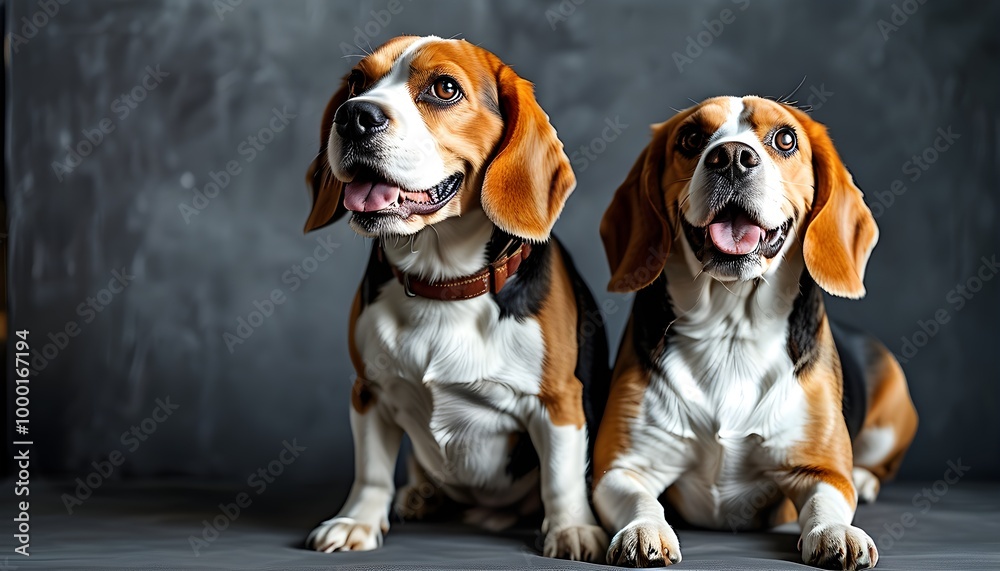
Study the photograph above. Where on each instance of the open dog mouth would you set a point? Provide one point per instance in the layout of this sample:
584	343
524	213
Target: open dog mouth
735	233
371	194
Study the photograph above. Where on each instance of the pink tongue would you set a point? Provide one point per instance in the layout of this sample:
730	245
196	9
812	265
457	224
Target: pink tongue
369	197
737	236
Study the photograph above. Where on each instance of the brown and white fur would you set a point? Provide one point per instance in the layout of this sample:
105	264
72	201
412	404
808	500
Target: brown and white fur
469	161
728	390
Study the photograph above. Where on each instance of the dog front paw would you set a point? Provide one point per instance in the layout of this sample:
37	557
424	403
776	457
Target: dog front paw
576	543
645	543
838	546
345	534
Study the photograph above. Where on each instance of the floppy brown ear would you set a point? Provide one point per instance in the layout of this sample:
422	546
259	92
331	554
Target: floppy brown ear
327	207
841	230
634	228
526	185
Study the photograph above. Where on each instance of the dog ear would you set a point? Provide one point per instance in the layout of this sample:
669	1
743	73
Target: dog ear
634	228
530	178
327	206
841	231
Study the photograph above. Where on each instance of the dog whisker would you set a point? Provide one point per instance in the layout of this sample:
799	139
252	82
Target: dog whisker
785	99
436	234
723	284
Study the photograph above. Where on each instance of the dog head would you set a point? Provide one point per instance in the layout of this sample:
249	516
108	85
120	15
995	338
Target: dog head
425	129
736	181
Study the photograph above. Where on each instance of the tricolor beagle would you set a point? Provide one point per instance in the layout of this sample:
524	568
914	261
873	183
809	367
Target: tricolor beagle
732	391
471	332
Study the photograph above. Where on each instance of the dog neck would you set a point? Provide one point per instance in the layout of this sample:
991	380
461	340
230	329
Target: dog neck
707	308
452	248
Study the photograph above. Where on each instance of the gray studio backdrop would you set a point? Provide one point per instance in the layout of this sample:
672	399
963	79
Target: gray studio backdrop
156	154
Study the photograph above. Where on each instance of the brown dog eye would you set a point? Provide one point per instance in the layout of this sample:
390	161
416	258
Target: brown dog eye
784	140
692	141
446	89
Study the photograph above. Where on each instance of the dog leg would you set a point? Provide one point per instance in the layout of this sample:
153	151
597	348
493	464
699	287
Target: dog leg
570	529
825	500
627	502
363	520
889	427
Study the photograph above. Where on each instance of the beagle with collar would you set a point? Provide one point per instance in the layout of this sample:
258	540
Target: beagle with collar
732	391
471	331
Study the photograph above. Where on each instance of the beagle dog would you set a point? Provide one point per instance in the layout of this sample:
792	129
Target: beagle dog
471	331
732	390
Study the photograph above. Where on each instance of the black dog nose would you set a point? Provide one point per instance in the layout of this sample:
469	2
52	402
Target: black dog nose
732	159
359	120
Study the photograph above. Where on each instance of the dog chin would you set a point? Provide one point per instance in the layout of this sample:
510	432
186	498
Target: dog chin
734	245
377	225
726	268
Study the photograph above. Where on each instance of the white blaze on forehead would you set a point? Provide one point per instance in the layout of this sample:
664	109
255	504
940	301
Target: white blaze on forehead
408	151
734	126
767	194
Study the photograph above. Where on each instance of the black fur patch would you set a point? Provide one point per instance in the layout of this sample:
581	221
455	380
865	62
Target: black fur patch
524	292
803	324
853	346
652	316
376	274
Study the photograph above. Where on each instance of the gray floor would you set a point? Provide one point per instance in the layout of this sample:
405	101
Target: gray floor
148	527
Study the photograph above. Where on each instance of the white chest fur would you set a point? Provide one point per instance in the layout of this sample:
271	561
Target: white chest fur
726	403
453	374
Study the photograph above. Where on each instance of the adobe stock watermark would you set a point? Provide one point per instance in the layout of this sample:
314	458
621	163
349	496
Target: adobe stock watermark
293	277
366	34
87	310
31	25
122	108
914	168
225	7
588	153
763	494
696	44
898	17
248	149
131	440
258	481
818	96
561	12
923	500
956	300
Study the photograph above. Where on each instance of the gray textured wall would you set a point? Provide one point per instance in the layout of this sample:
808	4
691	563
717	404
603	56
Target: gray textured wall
223	77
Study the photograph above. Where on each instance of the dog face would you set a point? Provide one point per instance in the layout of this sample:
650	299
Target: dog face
425	129
735	181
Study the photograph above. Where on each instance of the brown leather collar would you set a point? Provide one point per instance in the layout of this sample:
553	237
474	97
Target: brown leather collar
490	279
